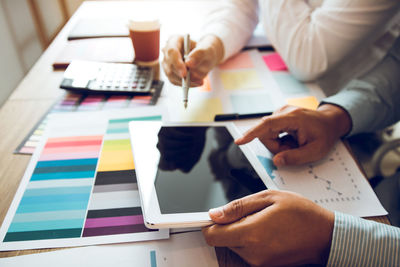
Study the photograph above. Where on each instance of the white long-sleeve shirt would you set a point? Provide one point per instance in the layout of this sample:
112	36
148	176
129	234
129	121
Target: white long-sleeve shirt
330	41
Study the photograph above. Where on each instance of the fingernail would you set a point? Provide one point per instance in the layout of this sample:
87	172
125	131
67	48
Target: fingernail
238	140
217	212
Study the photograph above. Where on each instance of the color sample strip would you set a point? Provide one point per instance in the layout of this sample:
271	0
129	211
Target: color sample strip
308	102
206	87
55	201
153	258
115	102
288	84
274	62
91	102
80	147
72	102
195	111
239	61
240	80
254	103
140	101
115	203
69	103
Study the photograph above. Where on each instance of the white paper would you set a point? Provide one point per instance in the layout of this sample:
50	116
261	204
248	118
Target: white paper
335	182
188	249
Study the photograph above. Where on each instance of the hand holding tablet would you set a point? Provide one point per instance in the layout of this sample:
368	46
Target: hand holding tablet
183	170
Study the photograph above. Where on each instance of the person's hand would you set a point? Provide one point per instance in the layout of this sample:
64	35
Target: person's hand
273	228
204	56
298	136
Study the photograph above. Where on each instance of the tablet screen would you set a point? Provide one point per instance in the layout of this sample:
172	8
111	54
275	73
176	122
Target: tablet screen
200	168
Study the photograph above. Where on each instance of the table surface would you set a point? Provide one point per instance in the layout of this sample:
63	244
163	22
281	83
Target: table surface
39	90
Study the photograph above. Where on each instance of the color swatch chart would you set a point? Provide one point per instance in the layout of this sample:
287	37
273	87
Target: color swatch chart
238	85
71	102
249	82
80	187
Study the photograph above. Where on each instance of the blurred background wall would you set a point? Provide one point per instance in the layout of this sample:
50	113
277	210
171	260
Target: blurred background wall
27	27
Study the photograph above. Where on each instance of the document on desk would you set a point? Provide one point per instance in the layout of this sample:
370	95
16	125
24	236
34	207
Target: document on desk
186	249
80	186
335	182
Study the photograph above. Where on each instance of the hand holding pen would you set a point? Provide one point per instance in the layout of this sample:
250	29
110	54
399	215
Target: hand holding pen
202	57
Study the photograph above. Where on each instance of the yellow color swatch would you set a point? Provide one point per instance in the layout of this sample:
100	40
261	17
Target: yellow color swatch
309	102
112	160
240	80
198	110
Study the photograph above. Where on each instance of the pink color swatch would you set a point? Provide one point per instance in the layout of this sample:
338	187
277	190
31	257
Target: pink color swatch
274	62
114	221
240	61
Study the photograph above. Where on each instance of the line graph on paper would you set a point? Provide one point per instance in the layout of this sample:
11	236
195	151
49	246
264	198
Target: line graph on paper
334	182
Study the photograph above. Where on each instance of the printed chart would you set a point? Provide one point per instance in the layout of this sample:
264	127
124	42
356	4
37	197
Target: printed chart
80	186
335	182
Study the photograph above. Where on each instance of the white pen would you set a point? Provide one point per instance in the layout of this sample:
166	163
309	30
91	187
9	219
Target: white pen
186	80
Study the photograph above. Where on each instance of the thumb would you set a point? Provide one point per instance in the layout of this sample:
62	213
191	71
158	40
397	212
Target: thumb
242	207
305	154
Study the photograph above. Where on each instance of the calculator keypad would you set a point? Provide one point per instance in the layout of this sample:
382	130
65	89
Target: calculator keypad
112	78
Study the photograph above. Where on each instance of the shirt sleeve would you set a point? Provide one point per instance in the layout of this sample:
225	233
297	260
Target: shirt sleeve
359	242
233	21
314	40
373	101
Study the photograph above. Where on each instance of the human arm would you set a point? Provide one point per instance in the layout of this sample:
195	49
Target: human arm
359	242
226	29
233	21
373	101
367	104
312	41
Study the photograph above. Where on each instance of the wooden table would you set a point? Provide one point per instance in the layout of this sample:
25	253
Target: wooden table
39	90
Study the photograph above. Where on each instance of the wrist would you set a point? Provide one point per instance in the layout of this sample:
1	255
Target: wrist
338	119
215	46
327	240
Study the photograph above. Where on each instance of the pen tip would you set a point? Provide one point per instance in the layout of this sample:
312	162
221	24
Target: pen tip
185	105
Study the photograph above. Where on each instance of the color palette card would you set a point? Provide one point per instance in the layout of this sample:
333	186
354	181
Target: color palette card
71	102
80	186
242	84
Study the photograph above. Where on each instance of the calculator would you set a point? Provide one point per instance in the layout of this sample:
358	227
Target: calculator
107	78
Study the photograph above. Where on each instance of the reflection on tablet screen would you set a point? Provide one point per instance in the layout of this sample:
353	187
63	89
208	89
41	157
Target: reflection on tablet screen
201	168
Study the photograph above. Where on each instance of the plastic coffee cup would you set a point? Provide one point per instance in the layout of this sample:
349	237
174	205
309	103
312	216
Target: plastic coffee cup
145	36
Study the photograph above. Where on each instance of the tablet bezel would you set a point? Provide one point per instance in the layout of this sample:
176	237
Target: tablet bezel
146	166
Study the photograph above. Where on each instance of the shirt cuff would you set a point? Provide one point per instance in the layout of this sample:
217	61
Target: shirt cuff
353	100
359	242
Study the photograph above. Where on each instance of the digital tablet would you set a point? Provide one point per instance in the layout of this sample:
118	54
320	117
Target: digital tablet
183	170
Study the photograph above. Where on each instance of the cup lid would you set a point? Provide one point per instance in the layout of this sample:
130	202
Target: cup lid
144	24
